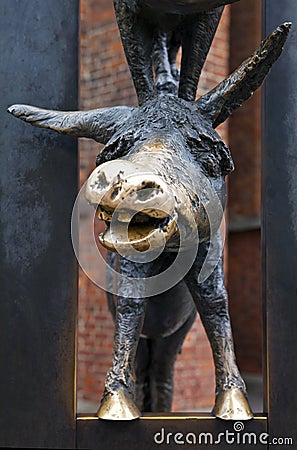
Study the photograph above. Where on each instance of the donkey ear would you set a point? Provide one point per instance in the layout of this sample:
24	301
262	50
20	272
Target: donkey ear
227	96
97	124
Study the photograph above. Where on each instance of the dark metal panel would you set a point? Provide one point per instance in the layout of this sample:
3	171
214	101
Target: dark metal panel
280	227
172	431
38	182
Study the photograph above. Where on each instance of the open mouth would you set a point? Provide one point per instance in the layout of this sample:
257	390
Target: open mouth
140	230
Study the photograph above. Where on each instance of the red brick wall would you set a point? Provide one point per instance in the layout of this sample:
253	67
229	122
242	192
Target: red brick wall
105	81
244	243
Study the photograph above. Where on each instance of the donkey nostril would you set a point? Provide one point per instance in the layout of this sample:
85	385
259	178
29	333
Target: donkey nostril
145	194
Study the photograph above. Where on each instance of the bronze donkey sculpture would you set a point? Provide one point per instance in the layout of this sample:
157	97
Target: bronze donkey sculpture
160	183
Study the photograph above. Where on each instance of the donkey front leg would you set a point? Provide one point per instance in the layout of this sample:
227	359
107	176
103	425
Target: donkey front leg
212	304
118	399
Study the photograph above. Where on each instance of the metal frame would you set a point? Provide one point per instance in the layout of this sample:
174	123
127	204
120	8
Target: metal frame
38	307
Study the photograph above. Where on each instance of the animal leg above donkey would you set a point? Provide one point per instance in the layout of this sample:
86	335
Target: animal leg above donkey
147	41
137	38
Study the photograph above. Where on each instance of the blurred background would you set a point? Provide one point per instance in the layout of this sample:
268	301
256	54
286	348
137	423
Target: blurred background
105	81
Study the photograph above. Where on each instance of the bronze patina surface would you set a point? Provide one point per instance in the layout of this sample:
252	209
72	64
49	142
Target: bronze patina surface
145	171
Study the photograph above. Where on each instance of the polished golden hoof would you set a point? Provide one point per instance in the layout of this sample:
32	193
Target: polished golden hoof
232	405
117	406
